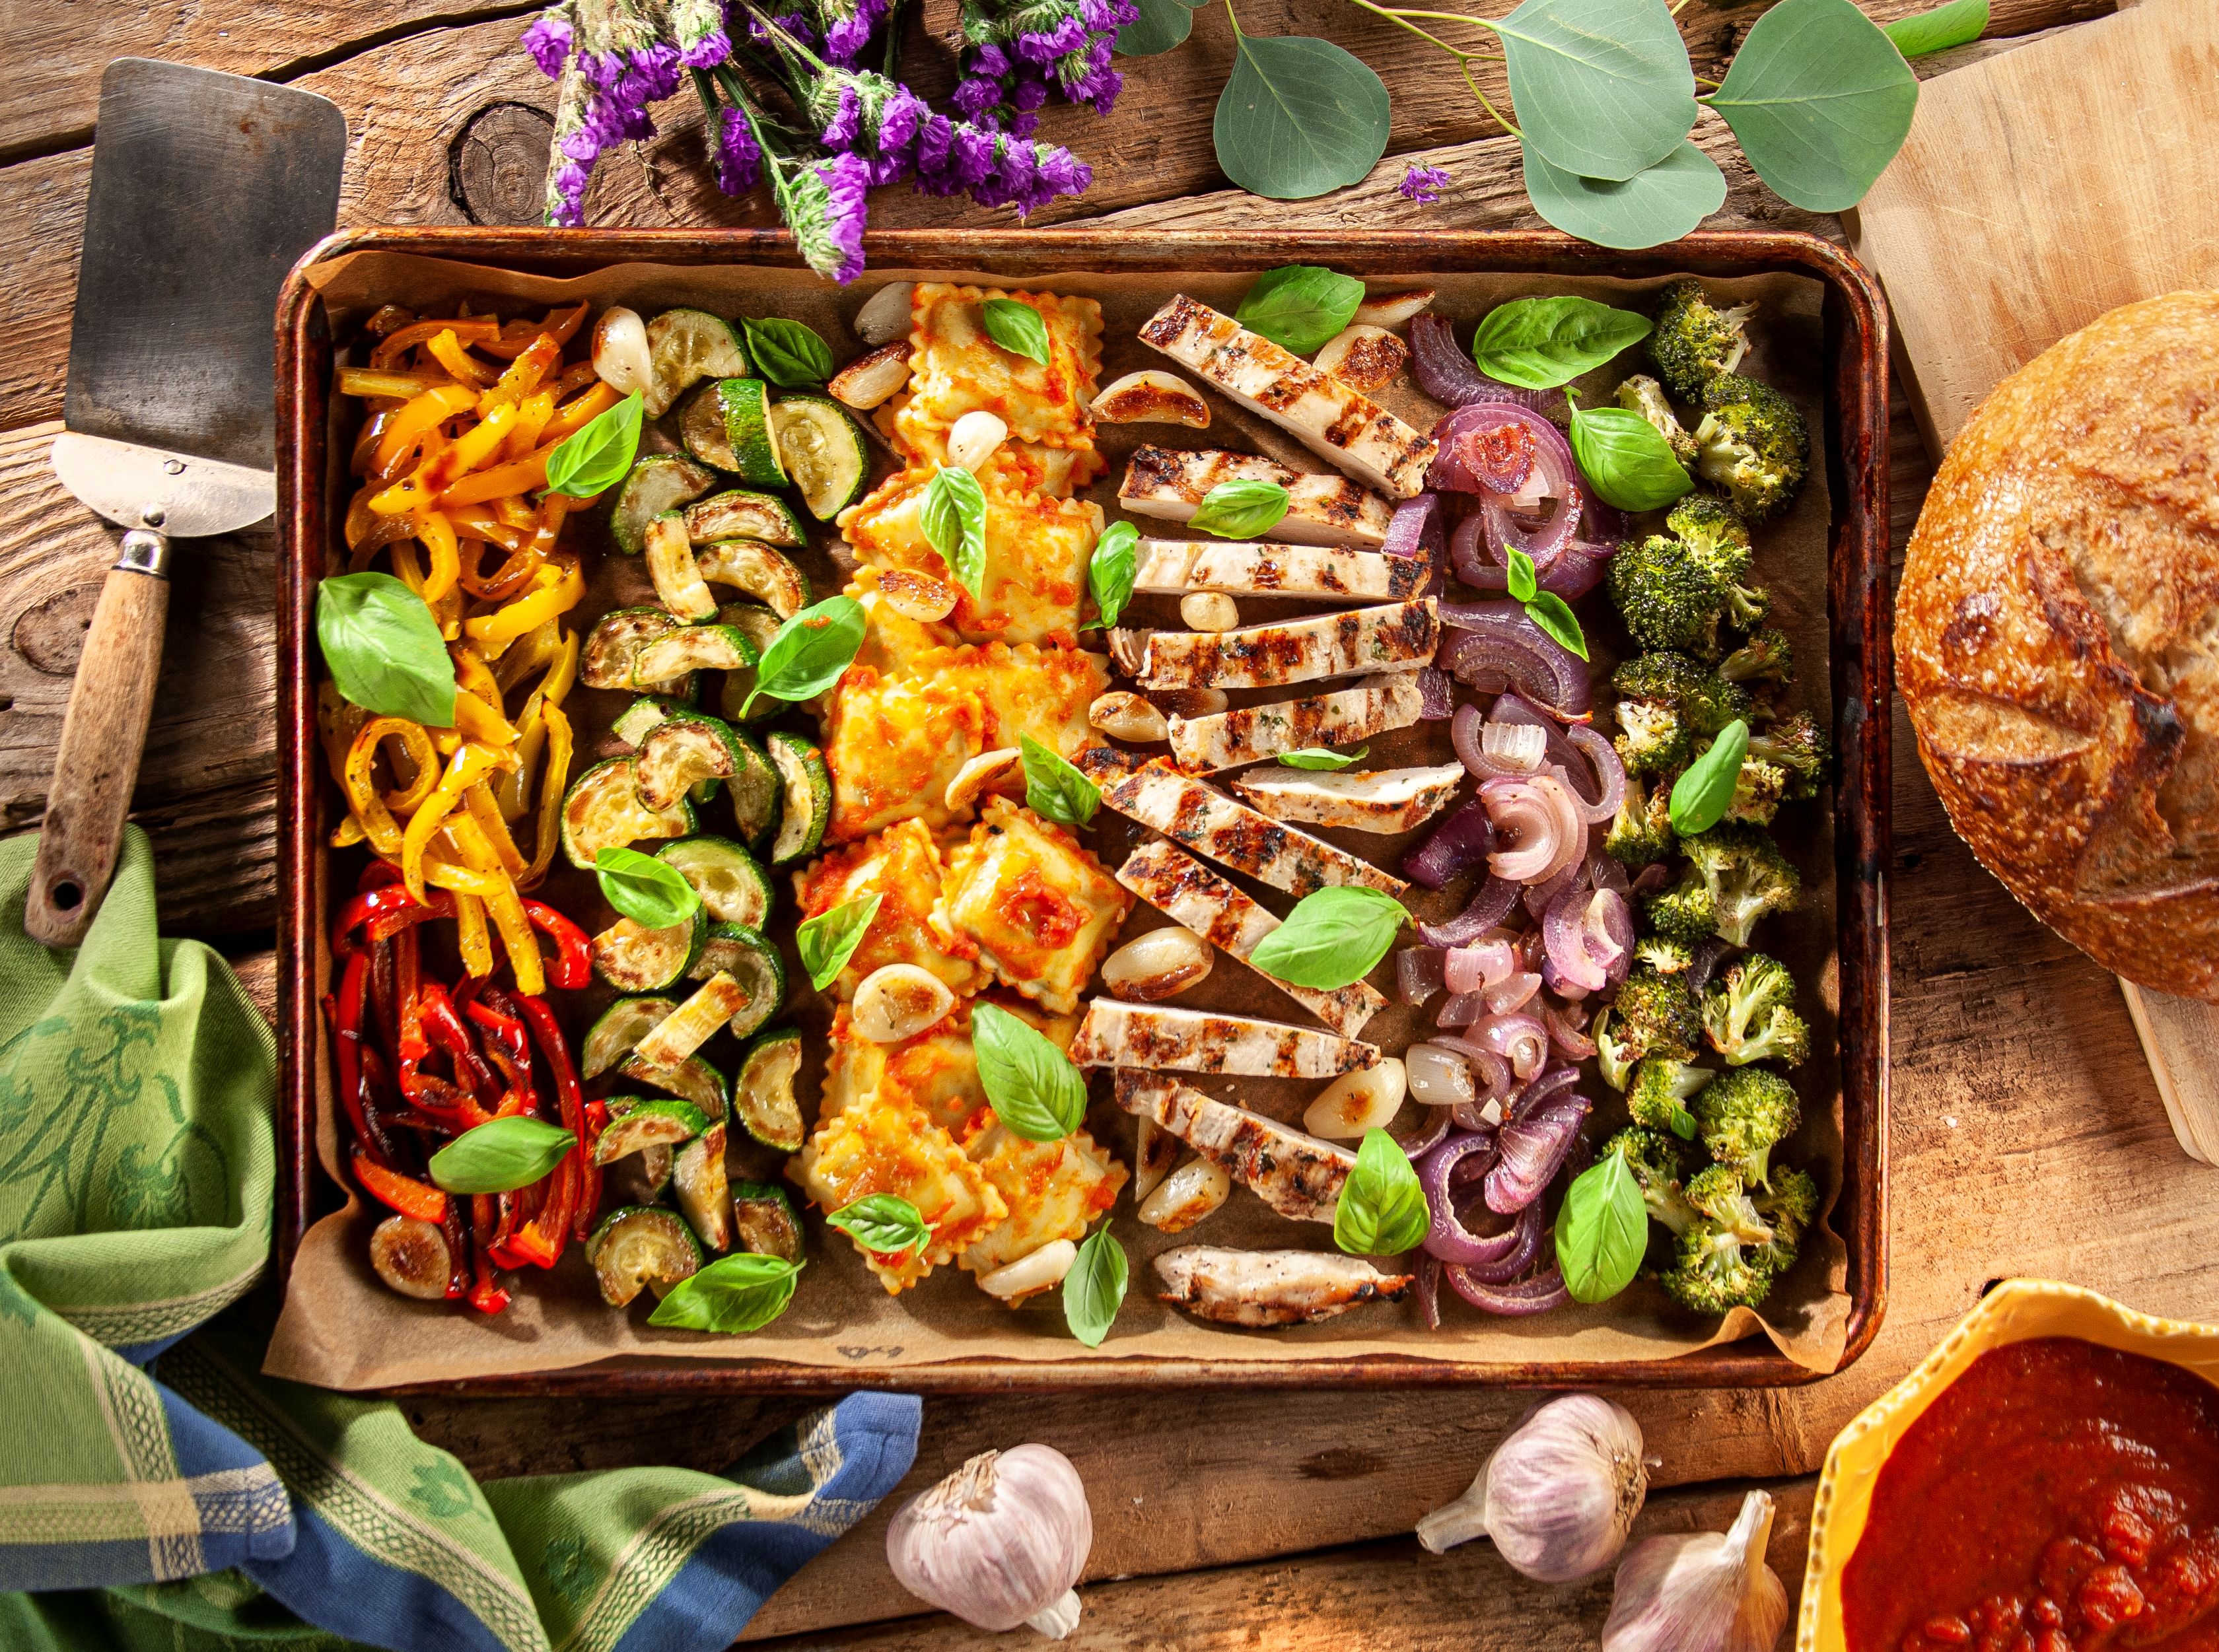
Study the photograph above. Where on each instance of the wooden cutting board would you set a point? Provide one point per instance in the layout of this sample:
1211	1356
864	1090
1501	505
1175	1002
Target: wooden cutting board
2036	191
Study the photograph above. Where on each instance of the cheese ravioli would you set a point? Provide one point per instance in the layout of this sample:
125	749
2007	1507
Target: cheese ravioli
1022	466
1053	1190
1040	908
901	866
956	368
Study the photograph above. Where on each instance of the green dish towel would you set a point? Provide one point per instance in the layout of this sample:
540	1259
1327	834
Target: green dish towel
160	1493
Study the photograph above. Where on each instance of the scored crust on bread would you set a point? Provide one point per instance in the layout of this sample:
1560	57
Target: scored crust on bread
2057	639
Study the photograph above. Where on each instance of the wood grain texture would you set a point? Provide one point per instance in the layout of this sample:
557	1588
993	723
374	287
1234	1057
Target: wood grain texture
2181	1039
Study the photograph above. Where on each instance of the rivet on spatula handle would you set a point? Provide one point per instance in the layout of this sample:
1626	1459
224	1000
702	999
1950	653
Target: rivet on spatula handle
102	734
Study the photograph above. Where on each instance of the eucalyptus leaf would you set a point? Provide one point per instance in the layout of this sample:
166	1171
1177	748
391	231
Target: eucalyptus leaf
1540	343
1648	209
1820	100
1705	789
1602	88
1299	117
1602	1231
1959	22
1161	25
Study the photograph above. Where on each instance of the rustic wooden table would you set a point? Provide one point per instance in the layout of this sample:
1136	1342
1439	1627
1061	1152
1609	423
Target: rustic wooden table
2028	1139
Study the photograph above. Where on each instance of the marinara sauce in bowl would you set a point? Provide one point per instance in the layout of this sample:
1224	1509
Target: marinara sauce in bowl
2047	1482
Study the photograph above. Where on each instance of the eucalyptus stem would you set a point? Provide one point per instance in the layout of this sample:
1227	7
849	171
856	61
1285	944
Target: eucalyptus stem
1400	18
1235	22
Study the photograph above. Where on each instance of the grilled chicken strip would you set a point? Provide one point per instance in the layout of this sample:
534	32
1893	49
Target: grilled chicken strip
1172	568
1209	822
1249	734
1172	484
1266	1288
1377	800
1341	425
1188	892
1168	1038
1298	1175
1400	637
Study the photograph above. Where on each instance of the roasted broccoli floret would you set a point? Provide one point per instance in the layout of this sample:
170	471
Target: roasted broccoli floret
1644	396
1658	1093
1751	442
1671	598
1656	1015
1703	700
1694	340
1654	738
1712	1271
1742	1115
1663	955
1758	791
1712	531
1749	1014
1797	746
1716	1193
1615	1057
1687	911
1745	876
1654	1159
1791	1205
1766	657
1642	830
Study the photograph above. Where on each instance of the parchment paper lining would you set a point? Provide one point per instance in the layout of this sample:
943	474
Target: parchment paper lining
341	1328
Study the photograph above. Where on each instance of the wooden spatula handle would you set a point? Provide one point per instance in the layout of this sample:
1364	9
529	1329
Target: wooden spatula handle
102	734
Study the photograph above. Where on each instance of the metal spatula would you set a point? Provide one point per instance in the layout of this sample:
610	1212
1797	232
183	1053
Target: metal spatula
206	187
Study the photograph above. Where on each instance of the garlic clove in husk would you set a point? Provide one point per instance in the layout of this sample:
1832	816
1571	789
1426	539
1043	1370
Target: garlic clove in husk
1559	1494
1701	1592
1000	1541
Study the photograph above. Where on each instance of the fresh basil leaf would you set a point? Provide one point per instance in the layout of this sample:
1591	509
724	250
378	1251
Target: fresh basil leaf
1625	458
1054	789
1383	1210
884	1223
384	649
1110	572
1160	25
1602	1231
1603	87
1319	757
1705	789
1300	307
1523	581
790	354
1683	1122
953	518
1018	327
1820	100
809	652
1555	616
652	893
1332	939
501	1155
733	1295
1240	509
599	454
1960	22
1031	1083
1094	1289
1653	206
1299	117
1540	343
827	940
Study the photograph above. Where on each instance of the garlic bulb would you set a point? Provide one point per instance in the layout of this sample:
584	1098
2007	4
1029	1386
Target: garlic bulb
1701	1592
1000	1541
1558	1496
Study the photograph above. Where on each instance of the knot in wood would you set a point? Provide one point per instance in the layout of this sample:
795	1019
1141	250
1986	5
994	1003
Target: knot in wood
497	164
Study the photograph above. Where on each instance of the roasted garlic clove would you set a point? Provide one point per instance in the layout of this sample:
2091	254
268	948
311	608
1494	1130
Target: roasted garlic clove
621	357
974	438
1160	963
1186	1195
1031	1274
1362	357
1123	715
884	316
1189	702
1002	771
1152	396
1356	1101
869	380
1393	309
918	596
900	1001
1208	611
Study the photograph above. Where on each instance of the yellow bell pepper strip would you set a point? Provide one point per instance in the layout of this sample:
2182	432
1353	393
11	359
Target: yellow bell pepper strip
337	721
579	410
447	350
438	536
563	671
464	770
373	382
516	510
486	811
477	522
472	938
412	423
533	414
554	510
480	722
513	573
347	834
552	779
453	876
448	610
526	475
518	941
556	588
513	789
391	348
423	486
409	567
472	672
528	654
532	363
359	781
365	441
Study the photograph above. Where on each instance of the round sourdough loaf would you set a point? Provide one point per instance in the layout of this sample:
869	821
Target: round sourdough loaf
2057	631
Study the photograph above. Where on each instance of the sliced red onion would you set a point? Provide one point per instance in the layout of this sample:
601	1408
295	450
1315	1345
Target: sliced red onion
1494	645
1406	528
1611	524
1525	1230
1545	1083
1544	1290
1446	374
1448	1238
1566	1036
1418	973
1460	841
1467	969
1609	771
1564	932
1542	536
1540	818
1513	993
1604	871
1475	562
1533	1150
1490	447
1461	1010
1707	953
1540	897
1489	906
1493	1082
1520	1040
1436	694
1651	878
1429	1291
1496	751
1435	1131
1576	569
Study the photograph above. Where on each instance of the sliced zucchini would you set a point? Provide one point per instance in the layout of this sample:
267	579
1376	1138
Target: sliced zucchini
748	433
602	811
638	1247
659	483
613	648
635	959
763	1218
760	624
730	882
719	998
755	569
701	428
637	1121
678	583
632	723
758	795
692	647
617	1032
808	798
704	1194
741	513
680	751
683	348
639	1178
693	1078
763	1094
750	958
822	448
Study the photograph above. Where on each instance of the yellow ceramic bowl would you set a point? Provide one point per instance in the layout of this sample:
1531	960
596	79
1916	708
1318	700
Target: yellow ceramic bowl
2017	1310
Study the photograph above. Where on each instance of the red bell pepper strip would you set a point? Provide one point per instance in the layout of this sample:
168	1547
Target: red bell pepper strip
547	1033
485	1293
446	1030
572	964
403	1193
540	1240
458	1250
377	875
406	913
366	908
345	1013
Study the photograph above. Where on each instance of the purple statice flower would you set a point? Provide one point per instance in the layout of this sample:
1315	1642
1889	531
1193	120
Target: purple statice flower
824	206
847	122
847	26
550	40
1086	77
698	29
1424	184
736	157
1067	33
